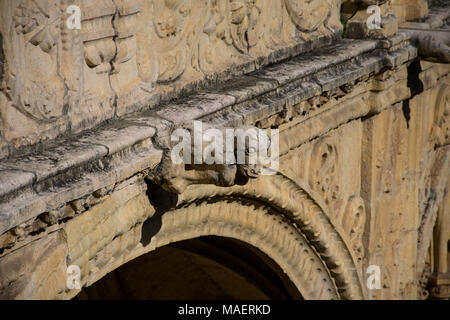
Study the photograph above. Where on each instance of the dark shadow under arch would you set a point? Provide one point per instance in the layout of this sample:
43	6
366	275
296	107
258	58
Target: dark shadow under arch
206	268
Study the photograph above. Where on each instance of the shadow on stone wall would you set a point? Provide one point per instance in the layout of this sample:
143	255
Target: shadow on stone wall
162	201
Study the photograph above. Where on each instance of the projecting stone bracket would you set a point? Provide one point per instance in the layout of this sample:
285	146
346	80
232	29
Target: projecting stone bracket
431	36
209	155
433	45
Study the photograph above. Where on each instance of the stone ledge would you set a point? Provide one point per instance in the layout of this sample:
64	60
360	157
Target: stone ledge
298	82
75	167
69	154
289	79
38	183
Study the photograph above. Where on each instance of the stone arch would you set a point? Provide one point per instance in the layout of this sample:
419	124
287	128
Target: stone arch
256	225
210	267
306	211
270	213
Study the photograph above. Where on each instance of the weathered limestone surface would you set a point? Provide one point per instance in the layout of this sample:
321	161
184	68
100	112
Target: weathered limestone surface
408	10
357	23
43	275
128	55
363	141
431	34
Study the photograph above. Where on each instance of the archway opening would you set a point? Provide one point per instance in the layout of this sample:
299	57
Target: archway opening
206	268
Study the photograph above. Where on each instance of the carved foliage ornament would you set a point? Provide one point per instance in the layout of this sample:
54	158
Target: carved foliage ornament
232	29
33	84
188	38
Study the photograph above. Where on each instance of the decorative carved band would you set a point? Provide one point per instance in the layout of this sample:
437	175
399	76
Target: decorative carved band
286	197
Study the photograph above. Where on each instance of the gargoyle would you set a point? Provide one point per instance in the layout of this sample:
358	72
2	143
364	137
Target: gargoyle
203	155
433	45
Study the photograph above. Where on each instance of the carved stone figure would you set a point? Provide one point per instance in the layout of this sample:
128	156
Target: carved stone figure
219	166
245	15
433	45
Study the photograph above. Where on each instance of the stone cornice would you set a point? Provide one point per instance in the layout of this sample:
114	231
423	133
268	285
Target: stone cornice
71	168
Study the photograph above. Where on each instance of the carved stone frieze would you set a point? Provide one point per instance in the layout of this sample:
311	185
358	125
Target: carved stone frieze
129	54
32	80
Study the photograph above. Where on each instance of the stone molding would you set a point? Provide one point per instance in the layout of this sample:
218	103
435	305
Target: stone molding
29	176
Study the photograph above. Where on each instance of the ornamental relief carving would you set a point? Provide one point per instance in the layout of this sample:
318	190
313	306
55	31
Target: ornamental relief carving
233	32
172	23
246	27
127	52
31	79
440	134
324	178
321	167
33	21
308	16
353	222
215	38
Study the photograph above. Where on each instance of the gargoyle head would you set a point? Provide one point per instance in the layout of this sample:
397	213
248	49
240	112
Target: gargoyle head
251	150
